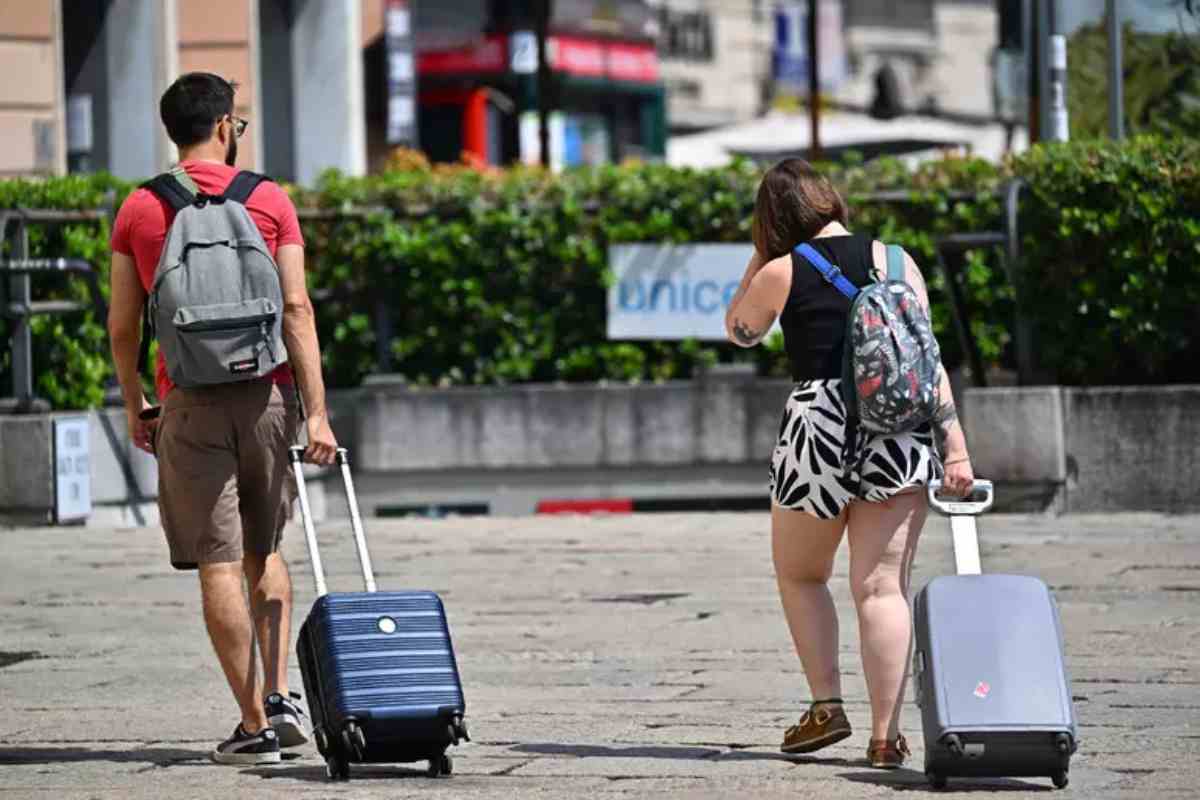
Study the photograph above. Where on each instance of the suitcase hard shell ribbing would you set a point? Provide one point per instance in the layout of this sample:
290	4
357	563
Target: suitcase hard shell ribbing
988	668
379	668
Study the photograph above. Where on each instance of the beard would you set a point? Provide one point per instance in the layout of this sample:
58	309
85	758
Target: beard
231	152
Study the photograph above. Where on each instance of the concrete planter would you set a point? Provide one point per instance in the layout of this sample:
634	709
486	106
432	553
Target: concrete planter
505	449
724	418
124	480
1122	448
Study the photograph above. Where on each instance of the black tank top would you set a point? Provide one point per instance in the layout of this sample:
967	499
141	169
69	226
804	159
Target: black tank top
814	318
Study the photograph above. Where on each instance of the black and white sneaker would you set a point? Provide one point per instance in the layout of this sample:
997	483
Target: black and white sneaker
248	748
287	718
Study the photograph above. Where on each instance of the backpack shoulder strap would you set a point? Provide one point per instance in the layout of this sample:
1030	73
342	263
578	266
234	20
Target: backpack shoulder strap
828	271
243	185
176	188
895	263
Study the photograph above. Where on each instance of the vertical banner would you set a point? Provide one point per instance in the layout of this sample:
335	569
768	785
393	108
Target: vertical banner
790	55
401	74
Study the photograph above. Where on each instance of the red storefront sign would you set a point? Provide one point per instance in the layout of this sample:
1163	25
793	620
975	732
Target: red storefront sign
572	55
484	56
576	56
595	58
633	62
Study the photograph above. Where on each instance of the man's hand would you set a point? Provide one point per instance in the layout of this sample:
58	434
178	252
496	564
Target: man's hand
141	431
322	447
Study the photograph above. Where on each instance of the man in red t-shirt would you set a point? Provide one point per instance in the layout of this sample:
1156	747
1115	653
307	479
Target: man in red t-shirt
225	490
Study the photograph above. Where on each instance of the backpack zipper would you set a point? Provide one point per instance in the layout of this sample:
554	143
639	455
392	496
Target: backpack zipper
257	321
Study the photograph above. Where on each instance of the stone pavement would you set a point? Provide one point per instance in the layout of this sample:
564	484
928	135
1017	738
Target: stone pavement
602	657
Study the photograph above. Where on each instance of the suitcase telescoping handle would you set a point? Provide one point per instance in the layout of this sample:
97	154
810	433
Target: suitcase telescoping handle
296	457
962	513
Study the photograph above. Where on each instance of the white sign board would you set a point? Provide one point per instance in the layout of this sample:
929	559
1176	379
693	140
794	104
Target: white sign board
73	475
523	55
673	291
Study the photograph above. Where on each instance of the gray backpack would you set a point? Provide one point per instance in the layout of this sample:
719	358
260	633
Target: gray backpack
216	305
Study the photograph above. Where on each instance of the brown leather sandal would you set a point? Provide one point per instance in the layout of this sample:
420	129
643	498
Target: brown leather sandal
823	724
886	754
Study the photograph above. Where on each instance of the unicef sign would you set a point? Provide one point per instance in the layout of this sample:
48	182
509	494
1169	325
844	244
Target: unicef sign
673	291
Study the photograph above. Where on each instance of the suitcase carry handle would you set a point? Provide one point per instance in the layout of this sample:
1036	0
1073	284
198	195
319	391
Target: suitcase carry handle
967	505
962	513
296	457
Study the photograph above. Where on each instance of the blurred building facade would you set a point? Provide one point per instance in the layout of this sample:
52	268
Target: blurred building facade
721	65
317	77
313	79
478	85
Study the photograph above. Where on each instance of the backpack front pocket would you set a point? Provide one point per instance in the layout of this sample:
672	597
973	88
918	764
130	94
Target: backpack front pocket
226	342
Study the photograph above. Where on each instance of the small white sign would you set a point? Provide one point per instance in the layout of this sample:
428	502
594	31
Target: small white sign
397	21
522	49
400	67
79	123
673	292
72	467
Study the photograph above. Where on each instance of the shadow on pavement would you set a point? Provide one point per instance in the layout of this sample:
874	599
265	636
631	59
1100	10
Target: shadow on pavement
909	780
358	772
647	751
158	756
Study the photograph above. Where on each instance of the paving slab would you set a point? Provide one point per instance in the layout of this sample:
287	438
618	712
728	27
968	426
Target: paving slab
611	656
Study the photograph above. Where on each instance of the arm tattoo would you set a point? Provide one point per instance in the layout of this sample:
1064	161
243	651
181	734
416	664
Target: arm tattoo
943	419
946	414
744	333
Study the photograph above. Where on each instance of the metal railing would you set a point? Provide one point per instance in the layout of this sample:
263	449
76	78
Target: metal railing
951	252
16	296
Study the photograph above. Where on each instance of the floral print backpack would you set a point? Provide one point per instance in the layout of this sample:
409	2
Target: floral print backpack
892	364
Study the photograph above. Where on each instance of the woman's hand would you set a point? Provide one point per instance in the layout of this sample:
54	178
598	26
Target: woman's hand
959	478
759	300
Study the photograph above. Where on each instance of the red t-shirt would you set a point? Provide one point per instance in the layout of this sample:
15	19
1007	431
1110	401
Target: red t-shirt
141	229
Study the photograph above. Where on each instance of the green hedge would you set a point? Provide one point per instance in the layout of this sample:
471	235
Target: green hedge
501	276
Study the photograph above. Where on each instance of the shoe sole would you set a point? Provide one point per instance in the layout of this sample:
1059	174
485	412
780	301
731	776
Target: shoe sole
816	744
246	759
289	729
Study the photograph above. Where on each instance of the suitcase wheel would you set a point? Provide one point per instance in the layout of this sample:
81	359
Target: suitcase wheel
1061	779
461	725
440	765
354	740
954	745
936	780
337	768
321	739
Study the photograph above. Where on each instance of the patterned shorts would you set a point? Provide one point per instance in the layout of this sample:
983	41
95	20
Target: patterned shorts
807	469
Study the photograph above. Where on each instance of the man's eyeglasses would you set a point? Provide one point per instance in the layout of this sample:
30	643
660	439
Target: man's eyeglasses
239	125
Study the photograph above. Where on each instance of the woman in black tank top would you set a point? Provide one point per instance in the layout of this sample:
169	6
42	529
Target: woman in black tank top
828	479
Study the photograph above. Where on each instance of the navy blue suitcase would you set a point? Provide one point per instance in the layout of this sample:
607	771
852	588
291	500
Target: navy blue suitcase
988	668
378	667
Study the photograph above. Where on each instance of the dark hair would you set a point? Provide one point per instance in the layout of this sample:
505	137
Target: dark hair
794	203
191	106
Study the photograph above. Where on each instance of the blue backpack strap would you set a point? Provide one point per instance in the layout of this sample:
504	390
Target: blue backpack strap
828	271
895	263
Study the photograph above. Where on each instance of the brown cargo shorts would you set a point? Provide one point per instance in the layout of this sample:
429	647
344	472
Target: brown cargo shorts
225	487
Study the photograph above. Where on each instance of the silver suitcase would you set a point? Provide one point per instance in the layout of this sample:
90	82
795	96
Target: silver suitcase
988	667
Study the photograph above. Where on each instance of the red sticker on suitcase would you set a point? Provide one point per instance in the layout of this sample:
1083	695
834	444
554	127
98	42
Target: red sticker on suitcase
982	690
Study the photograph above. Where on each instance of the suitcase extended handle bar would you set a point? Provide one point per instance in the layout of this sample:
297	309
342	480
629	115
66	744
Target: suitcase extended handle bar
962	515
296	457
